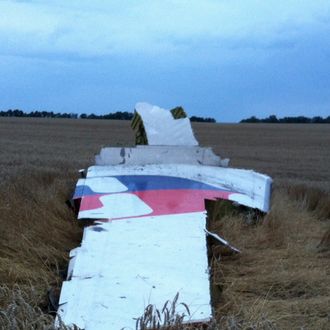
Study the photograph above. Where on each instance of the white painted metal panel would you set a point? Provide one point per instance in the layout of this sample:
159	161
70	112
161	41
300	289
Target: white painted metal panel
122	266
143	155
103	184
117	206
252	189
162	129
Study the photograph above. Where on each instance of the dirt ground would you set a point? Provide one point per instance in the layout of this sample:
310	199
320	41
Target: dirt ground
280	281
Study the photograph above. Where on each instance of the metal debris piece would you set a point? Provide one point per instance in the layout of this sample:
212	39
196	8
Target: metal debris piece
222	241
167	188
144	155
156	126
148	241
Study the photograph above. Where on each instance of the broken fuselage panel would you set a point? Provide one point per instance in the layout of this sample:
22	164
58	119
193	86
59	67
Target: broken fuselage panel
148	241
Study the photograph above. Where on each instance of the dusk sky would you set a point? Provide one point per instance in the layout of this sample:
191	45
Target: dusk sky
227	59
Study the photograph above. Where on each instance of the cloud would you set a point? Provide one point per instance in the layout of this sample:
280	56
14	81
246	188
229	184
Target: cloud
226	59
152	28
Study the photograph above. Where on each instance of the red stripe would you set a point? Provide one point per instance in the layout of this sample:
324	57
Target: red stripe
164	202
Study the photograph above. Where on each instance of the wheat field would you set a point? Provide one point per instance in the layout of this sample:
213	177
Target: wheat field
281	280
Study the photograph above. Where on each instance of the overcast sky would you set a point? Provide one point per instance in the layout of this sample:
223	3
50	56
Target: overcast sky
227	59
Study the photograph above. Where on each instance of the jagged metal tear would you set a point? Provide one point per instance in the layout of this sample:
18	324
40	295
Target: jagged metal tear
162	129
144	155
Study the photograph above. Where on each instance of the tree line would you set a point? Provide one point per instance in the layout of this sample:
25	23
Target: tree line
288	120
50	114
202	119
119	115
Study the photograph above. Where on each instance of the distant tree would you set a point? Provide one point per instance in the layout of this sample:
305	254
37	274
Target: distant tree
17	113
317	120
252	119
288	120
35	114
119	115
271	119
302	120
202	119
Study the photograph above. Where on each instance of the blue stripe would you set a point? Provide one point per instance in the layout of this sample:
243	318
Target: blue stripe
151	182
83	191
158	182
79	191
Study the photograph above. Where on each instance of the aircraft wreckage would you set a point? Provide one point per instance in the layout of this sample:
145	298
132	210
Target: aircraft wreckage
147	241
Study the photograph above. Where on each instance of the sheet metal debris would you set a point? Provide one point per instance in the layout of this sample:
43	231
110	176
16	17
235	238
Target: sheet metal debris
143	155
162	128
148	238
222	241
